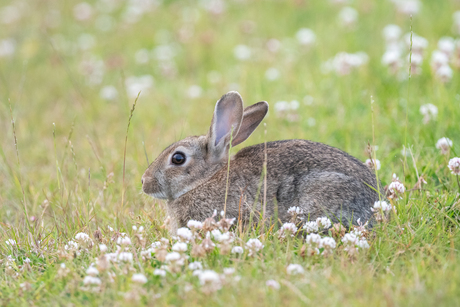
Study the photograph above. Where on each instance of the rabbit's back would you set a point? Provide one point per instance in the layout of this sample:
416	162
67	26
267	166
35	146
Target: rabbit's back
320	179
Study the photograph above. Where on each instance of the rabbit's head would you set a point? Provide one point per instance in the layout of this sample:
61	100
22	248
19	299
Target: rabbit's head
188	163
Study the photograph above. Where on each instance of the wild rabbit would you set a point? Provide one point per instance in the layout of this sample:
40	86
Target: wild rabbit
321	180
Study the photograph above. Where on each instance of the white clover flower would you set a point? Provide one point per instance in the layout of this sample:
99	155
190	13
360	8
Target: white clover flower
295	210
184	234
349	238
438	59
134	85
288	229
344	63
112	257
408	7
194	225
208	276
82	11
108	92
444	144
110	228
92	271
324	222
272	74
195	266
71	245
215	7
216	234
179	247
194	91
311	227
446	45
327	243
173	257
91	280
454	166
352	242
242	52
103	248
392	58
226	237
7	47
210	281
362	243
27	260
348	16
294	105
373	164
147	254
10	242
395	188
81	236
444	73
418	43
125	257
159	272
272	284
229	271
155	245
294	269
237	250
281	106
305	36
391	33
139	278
254	246
62	265
124	240
429	112
10	14
313	239
381	205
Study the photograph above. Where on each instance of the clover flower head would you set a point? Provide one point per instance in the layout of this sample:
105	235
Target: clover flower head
237	250
184	234
311	227
254	246
139	278
454	166
294	269
444	144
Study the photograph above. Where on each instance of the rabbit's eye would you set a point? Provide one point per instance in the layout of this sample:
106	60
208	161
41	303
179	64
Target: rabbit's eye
178	158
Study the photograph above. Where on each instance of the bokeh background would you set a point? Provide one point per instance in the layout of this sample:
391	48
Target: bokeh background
70	71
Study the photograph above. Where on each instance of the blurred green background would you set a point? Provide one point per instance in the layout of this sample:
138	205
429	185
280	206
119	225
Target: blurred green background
80	65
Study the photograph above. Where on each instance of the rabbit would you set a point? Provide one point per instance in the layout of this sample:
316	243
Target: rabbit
191	174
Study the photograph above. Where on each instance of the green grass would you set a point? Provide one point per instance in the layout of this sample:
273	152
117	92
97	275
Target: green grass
66	189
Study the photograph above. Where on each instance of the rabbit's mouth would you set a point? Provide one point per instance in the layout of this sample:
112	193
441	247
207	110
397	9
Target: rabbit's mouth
152	187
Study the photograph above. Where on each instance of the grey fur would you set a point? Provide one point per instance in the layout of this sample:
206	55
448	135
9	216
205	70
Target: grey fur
320	179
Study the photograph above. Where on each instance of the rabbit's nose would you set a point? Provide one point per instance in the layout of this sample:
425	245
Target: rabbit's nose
142	180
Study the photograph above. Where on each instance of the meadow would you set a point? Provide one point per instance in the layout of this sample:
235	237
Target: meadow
91	92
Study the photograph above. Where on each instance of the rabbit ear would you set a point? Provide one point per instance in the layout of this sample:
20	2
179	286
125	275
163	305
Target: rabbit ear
252	116
227	117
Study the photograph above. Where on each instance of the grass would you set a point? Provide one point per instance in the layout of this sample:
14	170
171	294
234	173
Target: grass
78	174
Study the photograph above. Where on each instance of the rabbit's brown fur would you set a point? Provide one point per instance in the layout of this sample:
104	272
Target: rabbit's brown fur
320	179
